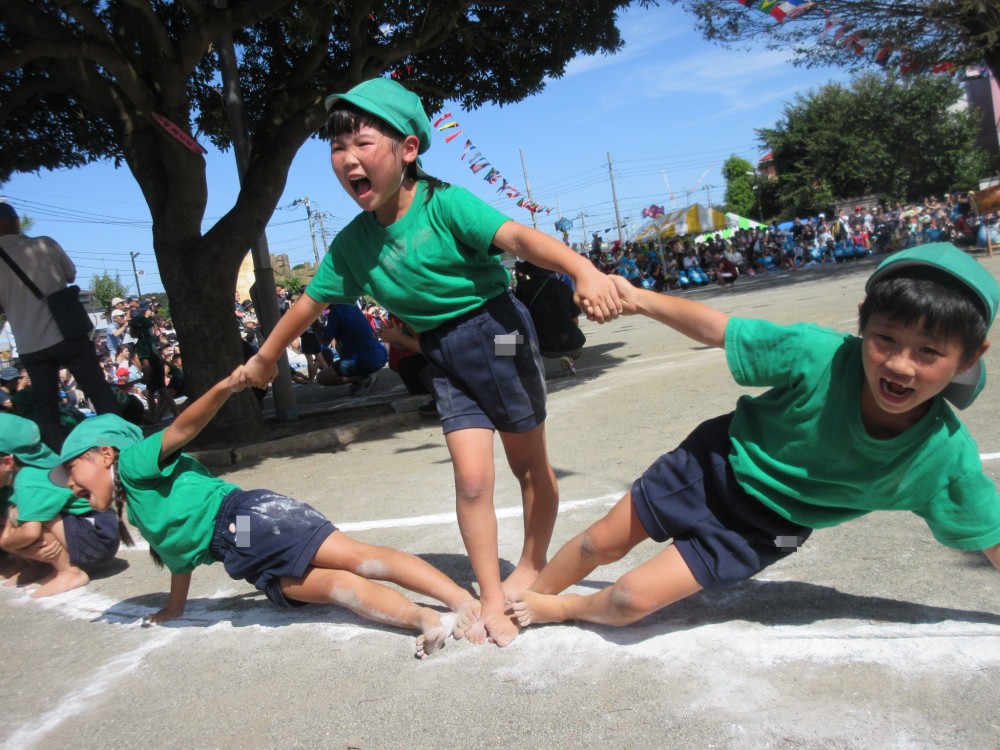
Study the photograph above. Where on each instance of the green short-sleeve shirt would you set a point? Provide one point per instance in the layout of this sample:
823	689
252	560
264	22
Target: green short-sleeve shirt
801	448
37	499
436	262
174	505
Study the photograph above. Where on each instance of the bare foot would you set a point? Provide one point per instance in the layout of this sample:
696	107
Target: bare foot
467	616
31	572
501	628
530	608
435	629
521	578
61	583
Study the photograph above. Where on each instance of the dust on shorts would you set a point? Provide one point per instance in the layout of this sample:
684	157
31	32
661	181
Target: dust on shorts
691	495
486	367
91	538
263	536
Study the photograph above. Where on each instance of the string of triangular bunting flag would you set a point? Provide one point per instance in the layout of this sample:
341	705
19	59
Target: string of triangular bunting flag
846	35
478	163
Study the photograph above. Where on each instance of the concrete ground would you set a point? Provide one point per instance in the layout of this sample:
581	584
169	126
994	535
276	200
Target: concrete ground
871	636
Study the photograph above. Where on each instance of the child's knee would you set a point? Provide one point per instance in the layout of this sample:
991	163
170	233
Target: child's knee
630	603
473	485
599	548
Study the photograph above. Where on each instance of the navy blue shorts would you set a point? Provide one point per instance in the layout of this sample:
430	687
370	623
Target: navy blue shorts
690	495
91	539
486	368
262	536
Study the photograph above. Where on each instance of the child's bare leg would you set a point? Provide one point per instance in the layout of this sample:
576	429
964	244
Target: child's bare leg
472	457
656	583
371	600
528	459
65	576
605	541
341	552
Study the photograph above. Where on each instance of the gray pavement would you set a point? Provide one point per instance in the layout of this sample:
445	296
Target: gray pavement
871	636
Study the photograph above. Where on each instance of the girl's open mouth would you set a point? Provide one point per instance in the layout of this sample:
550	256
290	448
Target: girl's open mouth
362	186
893	391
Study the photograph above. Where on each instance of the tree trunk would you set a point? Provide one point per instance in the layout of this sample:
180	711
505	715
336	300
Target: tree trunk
207	330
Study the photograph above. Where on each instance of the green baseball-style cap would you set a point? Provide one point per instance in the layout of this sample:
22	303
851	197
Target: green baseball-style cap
952	261
20	438
389	101
106	429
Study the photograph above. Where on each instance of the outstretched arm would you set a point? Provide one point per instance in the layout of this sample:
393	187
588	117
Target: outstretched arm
193	420
179	586
262	368
595	294
696	321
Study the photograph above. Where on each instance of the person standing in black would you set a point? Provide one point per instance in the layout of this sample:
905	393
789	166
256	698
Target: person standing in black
41	347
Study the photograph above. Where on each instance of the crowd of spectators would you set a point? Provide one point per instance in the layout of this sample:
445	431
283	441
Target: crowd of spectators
858	232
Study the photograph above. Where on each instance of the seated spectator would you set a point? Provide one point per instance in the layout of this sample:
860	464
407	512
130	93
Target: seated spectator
554	313
406	360
361	355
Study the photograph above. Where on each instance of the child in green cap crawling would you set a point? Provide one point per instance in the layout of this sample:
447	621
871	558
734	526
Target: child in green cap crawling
52	535
849	426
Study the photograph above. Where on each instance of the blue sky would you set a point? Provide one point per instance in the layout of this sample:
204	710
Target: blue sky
669	108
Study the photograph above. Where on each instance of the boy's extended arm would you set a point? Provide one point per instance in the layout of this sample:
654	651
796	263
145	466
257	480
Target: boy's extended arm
180	584
595	294
262	367
696	321
993	553
192	420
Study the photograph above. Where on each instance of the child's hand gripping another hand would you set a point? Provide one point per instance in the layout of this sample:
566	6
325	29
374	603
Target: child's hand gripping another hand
258	372
597	296
627	294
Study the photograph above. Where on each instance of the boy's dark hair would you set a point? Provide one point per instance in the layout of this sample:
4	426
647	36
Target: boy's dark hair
346	118
941	304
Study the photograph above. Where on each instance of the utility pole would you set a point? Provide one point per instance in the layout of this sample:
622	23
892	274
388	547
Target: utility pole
614	196
285	409
320	215
527	186
138	291
312	228
583	223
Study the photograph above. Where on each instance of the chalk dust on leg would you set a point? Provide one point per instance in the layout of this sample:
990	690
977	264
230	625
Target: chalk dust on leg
62	582
530	608
435	629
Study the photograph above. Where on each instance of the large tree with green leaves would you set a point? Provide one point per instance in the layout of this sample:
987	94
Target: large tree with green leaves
97	80
895	138
106	288
961	32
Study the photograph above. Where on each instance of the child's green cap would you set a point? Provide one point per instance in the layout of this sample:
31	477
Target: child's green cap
106	429
389	101
20	438
952	261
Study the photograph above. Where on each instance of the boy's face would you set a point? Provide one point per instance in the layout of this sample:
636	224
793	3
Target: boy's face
370	166
905	367
90	476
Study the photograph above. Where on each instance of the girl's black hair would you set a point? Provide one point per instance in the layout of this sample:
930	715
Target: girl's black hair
345	118
940	304
119	497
